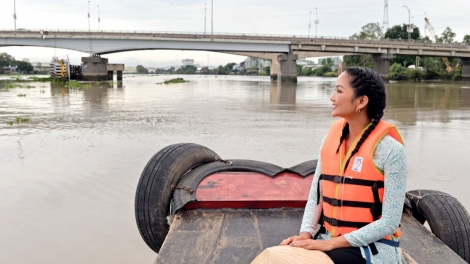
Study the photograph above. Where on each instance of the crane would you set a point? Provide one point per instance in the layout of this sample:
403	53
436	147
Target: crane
430	28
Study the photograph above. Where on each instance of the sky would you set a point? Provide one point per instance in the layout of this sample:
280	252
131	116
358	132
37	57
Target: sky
337	18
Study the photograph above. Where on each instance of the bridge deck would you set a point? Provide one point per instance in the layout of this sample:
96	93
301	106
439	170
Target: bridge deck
114	41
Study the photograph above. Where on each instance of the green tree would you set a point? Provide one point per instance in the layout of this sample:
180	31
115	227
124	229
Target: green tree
6	60
141	69
448	36
358	60
187	69
328	62
415	74
171	70
299	70
397	72
204	70
399	32
466	39
220	70
228	67
307	72
404	60
267	70
24	66
369	31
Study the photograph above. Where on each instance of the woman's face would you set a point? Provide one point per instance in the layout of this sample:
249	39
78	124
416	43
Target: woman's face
344	103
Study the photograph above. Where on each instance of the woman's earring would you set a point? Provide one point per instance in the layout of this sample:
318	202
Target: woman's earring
358	110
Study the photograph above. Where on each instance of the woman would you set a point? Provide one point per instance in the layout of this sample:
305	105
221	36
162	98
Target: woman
357	194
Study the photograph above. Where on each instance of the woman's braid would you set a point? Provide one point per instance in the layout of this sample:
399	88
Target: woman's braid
344	134
367	82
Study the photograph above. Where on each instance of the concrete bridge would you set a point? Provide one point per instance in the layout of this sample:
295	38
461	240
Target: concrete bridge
282	50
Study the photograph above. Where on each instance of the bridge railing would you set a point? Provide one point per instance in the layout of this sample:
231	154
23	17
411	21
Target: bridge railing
294	39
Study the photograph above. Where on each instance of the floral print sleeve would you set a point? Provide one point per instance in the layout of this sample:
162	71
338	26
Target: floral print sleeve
313	208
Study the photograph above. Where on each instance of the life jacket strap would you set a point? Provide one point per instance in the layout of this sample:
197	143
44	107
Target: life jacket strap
339	223
346	180
373	249
389	242
367	253
336	202
376	208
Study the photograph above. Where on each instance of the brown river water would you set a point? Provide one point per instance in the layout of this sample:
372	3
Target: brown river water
68	177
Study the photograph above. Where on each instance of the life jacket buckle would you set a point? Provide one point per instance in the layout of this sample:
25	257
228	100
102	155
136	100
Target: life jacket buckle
335	202
334	222
338	179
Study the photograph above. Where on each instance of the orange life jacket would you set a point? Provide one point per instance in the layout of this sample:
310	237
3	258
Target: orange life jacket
353	196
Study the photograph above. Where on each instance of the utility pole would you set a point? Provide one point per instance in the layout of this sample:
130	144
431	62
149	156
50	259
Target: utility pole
14	13
205	8
316	21
409	29
88	16
212	20
425	25
89	32
99	20
309	25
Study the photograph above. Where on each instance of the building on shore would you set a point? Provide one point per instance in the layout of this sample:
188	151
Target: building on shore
129	69
251	63
9	69
186	62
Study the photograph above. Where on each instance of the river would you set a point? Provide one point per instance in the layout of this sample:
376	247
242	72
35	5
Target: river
68	177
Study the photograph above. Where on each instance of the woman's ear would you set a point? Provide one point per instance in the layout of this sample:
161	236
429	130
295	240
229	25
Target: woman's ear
363	101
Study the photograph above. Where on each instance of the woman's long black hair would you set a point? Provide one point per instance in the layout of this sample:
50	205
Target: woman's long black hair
366	82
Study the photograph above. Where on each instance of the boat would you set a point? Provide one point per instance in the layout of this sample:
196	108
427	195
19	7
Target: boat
192	206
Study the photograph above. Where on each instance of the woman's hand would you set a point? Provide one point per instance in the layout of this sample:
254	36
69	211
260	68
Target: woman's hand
302	236
322	245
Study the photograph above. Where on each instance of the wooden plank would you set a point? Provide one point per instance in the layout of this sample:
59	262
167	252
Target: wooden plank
421	246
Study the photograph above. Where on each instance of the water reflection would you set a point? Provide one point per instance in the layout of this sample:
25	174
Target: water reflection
283	95
410	103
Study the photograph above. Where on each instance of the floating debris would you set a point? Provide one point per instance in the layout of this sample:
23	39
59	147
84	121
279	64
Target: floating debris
20	120
176	80
21	95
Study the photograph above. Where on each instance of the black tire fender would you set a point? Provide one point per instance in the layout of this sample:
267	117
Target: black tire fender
446	216
154	190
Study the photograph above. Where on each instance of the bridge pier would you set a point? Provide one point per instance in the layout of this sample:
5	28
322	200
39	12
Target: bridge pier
118	68
94	69
287	68
465	69
274	70
382	65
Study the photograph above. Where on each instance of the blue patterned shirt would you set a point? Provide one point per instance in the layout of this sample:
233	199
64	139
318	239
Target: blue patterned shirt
389	156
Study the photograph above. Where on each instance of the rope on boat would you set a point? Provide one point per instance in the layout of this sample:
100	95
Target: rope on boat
173	187
420	197
228	162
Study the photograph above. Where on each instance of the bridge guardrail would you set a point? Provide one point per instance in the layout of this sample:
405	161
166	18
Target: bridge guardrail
294	39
